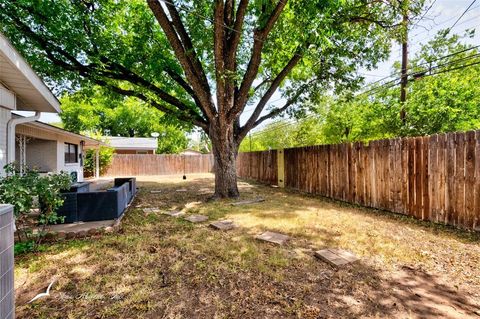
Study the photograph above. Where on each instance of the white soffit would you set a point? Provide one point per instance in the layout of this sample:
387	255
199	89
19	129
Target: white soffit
32	94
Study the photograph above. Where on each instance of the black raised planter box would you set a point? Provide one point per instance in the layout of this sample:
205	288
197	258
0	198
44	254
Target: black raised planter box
80	205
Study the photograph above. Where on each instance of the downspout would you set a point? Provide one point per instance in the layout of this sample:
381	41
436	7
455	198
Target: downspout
11	125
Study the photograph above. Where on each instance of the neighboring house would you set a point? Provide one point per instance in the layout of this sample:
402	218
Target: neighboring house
132	145
190	152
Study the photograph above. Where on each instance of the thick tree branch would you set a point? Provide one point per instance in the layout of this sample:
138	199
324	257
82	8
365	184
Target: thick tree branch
187	43
182	116
229	12
218	49
110	70
204	95
236	33
260	35
273	87
180	81
277	111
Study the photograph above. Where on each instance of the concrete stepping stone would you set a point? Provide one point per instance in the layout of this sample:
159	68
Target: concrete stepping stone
196	218
250	201
174	213
272	237
223	225
155	191
181	190
151	210
336	257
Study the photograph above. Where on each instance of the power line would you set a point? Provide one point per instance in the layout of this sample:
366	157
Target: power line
425	13
287	124
443	22
461	16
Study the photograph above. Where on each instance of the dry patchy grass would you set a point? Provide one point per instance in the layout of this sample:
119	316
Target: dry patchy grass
161	267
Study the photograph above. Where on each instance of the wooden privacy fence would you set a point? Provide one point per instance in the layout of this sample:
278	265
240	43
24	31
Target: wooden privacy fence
152	164
260	166
434	178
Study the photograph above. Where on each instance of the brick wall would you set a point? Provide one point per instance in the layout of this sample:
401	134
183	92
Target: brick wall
7	291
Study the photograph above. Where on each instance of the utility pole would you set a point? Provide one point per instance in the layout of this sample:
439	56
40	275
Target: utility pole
404	77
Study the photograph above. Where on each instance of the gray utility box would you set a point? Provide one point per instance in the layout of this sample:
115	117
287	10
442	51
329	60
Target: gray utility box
7	291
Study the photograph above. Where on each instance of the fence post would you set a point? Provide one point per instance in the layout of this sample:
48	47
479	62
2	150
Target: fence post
281	168
7	292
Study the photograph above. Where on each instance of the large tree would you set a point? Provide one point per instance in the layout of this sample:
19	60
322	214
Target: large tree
204	62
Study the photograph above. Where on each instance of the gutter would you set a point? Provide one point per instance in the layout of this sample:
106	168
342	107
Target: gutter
11	125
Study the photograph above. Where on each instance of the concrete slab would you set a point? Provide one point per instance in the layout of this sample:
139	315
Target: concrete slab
250	201
155	191
272	237
223	225
196	218
181	190
174	213
336	257
80	226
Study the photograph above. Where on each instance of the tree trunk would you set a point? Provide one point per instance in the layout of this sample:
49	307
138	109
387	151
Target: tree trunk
225	152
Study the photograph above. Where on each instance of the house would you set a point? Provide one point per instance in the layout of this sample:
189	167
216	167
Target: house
25	140
20	89
51	149
190	152
132	145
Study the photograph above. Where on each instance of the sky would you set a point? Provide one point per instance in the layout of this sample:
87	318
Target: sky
442	15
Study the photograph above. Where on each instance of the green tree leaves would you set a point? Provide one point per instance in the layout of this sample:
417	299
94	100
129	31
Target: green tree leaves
99	113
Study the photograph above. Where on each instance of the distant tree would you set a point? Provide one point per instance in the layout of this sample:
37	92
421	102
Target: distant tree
99	113
284	134
105	159
443	96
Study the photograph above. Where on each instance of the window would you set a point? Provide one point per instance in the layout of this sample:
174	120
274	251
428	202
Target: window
71	153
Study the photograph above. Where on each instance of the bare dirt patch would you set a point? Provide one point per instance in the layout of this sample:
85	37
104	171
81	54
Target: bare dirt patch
163	267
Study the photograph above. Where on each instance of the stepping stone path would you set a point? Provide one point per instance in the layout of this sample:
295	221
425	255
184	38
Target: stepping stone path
223	225
196	218
155	191
181	190
151	210
246	202
336	257
272	237
174	213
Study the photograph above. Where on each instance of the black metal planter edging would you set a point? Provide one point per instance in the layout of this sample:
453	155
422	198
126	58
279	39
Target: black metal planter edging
88	206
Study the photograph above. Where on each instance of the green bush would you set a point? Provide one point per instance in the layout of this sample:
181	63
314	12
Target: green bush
106	155
31	190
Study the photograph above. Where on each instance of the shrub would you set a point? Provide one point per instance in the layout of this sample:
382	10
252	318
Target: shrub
106	155
31	190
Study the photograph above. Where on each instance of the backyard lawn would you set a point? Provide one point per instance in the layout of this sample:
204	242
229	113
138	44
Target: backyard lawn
158	266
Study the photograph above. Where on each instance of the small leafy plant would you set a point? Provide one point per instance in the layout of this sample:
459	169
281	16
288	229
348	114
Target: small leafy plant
28	191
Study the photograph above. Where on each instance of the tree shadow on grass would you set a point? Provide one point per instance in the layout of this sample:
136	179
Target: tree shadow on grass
362	291
230	274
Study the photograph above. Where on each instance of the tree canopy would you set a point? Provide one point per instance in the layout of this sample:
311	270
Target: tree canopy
443	96
203	62
98	113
